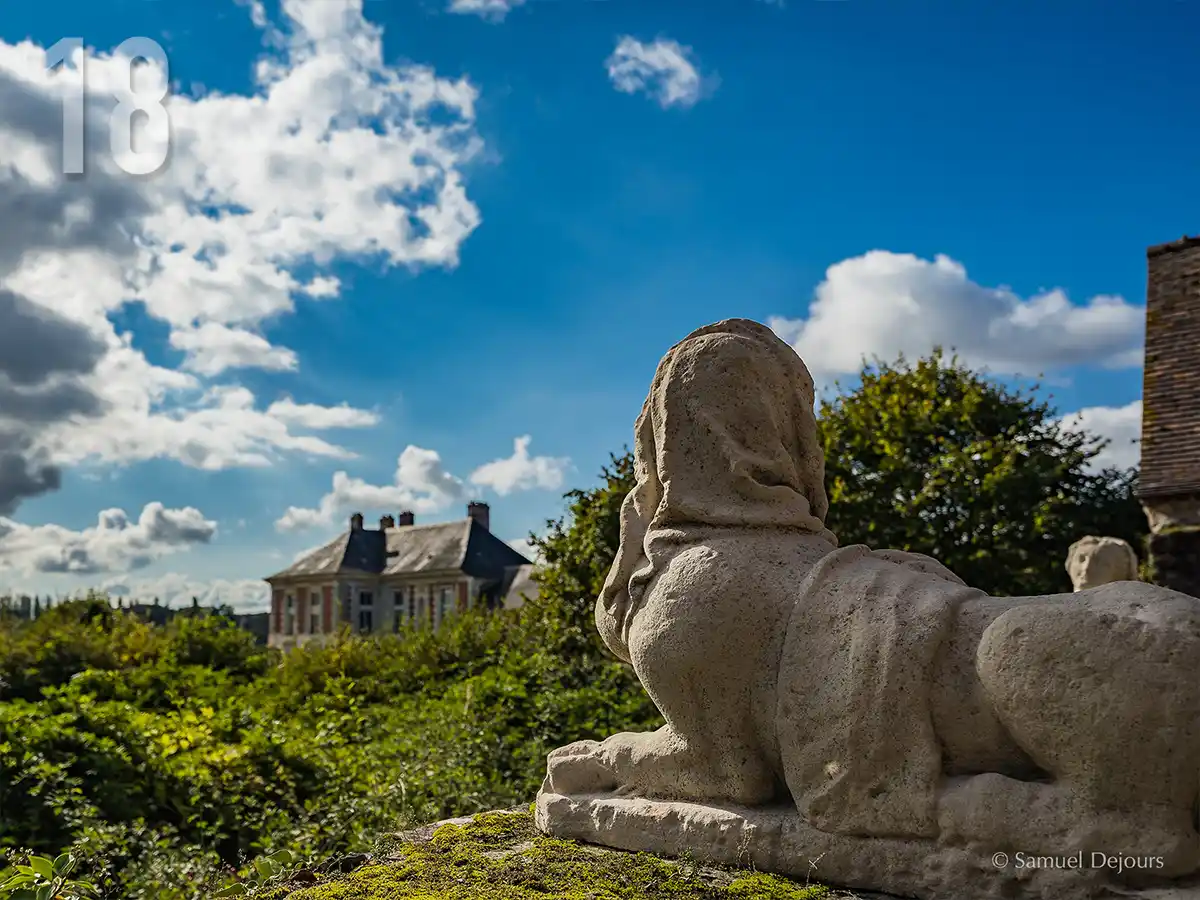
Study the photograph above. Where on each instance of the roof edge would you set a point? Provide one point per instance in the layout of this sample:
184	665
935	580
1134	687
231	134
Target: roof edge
471	525
1169	491
1184	243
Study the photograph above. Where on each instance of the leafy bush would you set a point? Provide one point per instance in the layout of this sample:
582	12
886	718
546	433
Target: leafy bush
169	758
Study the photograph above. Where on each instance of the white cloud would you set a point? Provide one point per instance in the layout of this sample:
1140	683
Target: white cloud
494	10
212	348
258	12
338	155
883	304
521	472
422	485
1122	425
310	415
114	544
664	70
221	429
245	595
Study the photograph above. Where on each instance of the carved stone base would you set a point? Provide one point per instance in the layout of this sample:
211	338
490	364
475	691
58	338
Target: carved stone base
777	840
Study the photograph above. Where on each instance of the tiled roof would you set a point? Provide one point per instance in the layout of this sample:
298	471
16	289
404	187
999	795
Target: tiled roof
324	560
518	585
427	548
463	545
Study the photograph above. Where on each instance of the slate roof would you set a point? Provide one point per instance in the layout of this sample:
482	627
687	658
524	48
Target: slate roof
518	585
463	545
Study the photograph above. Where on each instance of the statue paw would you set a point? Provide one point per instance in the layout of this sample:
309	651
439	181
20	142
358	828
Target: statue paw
580	768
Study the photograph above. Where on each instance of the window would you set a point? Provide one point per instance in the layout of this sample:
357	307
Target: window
443	603
412	603
314	614
289	618
366	620
397	609
365	598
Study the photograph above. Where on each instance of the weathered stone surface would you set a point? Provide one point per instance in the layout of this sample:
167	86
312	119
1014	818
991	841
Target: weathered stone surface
863	708
1093	561
774	839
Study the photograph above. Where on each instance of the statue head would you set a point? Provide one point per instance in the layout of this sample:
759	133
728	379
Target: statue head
1093	561
727	438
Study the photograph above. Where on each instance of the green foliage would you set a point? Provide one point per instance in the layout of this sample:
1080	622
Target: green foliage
275	868
935	458
578	551
183	760
42	878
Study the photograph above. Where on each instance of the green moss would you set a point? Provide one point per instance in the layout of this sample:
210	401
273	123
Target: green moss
502	856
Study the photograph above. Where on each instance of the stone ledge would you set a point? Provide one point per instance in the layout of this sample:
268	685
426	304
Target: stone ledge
777	840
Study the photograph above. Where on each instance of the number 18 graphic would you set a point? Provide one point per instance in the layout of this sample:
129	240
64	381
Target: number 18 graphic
120	127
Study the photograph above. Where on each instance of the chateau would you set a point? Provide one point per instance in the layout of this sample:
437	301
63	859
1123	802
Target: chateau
380	579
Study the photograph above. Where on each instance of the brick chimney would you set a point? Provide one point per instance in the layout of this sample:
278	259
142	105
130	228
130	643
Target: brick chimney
356	522
386	522
1169	476
405	518
481	513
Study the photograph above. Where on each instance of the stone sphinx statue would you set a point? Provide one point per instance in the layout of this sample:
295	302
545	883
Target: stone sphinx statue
1093	561
863	716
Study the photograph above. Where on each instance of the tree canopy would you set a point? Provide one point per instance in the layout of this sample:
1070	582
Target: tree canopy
577	551
930	457
938	459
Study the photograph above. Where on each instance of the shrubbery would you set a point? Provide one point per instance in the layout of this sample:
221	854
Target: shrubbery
167	757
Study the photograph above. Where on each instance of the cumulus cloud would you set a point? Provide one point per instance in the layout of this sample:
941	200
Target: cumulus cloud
883	304
45	355
521	472
115	544
664	70
339	155
212	348
1121	425
423	485
173	589
43	360
311	415
221	429
495	10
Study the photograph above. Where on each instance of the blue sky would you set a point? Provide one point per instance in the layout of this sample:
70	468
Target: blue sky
446	225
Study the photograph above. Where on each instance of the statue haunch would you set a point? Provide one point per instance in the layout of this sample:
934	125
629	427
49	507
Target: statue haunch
863	716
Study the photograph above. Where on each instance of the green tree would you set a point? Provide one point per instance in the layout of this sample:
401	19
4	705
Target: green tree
577	552
937	459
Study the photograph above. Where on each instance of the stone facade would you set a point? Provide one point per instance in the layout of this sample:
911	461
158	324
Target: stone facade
367	604
1170	463
382	579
